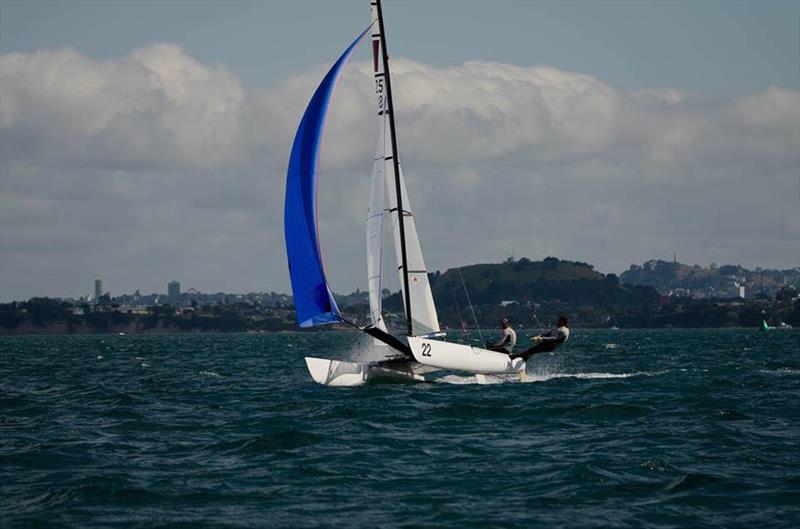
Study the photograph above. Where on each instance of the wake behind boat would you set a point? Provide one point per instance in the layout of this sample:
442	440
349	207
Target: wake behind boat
424	350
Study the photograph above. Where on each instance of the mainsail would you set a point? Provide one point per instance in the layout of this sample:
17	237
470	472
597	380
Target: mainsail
375	230
424	320
389	197
313	299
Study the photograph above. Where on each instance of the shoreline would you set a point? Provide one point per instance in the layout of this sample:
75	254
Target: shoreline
520	330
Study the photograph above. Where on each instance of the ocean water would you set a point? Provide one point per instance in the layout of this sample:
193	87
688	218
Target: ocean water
653	429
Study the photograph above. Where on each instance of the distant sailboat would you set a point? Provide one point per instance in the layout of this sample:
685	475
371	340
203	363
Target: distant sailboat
423	351
764	325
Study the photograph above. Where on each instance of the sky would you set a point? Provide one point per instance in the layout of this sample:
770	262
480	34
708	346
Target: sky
142	142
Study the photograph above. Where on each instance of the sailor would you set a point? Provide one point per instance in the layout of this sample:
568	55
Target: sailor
507	341
548	342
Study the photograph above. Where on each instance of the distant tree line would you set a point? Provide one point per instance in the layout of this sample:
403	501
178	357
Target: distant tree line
530	293
48	314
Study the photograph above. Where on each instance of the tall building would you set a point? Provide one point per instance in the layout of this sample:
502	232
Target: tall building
98	289
173	289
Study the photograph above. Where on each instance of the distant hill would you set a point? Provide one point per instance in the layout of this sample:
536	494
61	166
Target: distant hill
712	281
519	289
529	281
665	275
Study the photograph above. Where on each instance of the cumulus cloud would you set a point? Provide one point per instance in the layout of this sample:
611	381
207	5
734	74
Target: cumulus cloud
157	107
156	166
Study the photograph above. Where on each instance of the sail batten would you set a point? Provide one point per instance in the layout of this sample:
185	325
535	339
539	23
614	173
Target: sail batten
313	298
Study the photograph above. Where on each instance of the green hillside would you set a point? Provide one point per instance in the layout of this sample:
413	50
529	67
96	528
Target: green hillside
520	289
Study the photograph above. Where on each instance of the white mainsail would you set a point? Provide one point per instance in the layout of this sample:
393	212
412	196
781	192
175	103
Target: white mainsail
423	311
375	217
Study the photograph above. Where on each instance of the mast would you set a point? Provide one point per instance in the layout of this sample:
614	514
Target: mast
396	163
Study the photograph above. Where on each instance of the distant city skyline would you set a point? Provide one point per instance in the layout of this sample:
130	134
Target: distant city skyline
174	289
149	140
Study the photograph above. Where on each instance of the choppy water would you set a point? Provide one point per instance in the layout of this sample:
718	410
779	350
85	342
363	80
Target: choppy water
619	429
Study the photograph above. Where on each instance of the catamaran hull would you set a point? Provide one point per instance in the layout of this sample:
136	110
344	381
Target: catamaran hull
430	356
458	357
339	373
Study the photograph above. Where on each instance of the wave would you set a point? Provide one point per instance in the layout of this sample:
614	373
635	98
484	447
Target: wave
781	371
472	379
591	376
539	377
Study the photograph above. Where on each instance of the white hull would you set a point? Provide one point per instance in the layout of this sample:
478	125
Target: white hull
430	356
457	357
339	373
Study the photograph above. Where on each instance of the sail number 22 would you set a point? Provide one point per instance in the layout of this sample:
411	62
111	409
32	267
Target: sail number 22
426	349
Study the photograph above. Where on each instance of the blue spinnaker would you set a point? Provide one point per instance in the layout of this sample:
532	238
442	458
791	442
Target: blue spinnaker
313	299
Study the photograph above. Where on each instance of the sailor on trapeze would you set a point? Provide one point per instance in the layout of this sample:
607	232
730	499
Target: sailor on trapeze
548	342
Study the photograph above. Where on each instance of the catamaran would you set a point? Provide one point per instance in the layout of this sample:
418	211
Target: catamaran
424	349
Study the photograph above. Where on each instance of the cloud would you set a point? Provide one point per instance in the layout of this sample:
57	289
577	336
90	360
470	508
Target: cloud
157	107
156	166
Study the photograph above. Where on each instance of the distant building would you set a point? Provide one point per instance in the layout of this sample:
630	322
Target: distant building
173	290
741	291
98	289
